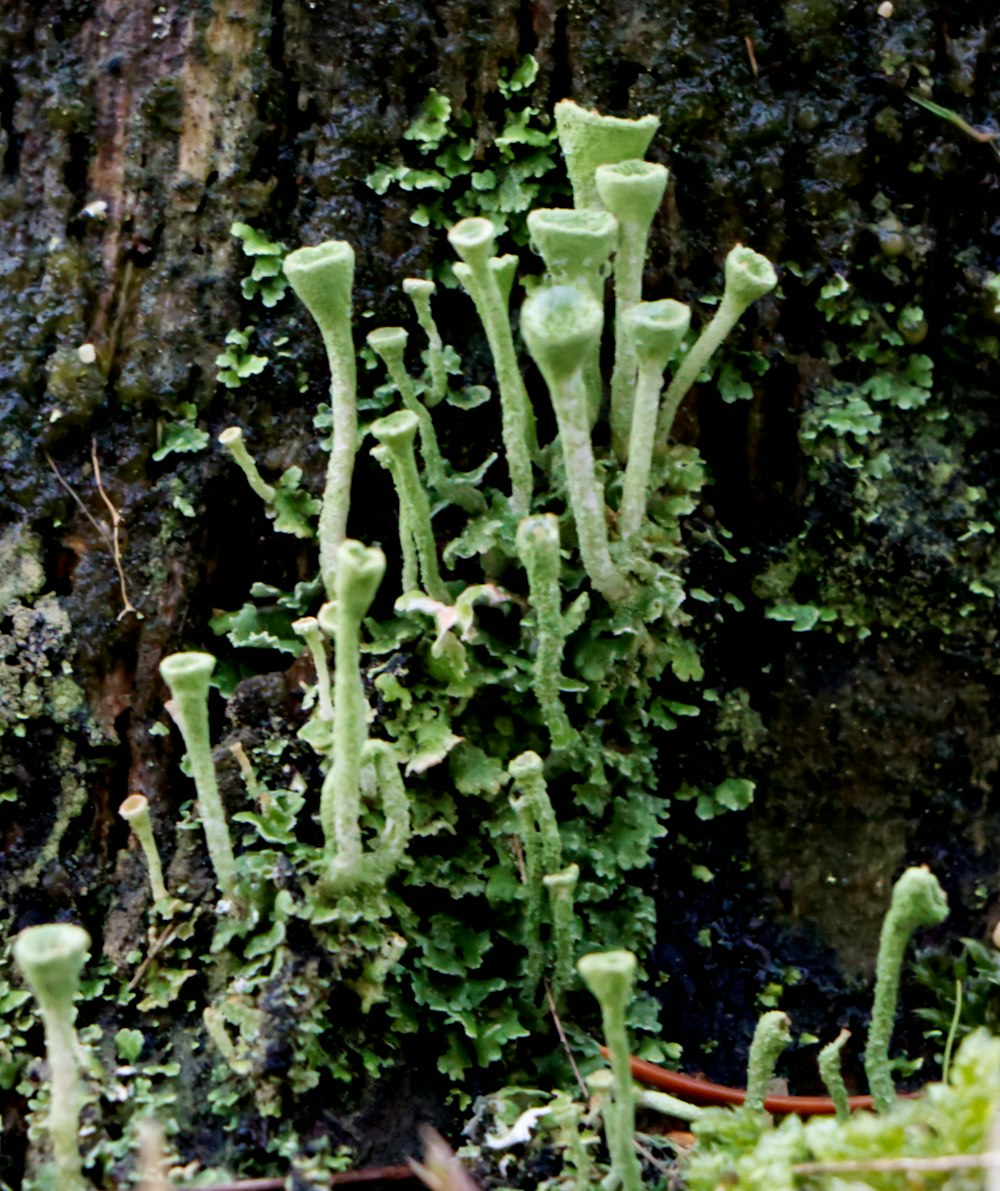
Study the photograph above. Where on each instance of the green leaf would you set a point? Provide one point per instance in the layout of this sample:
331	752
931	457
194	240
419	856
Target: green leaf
255	243
180	438
128	1044
431	125
735	793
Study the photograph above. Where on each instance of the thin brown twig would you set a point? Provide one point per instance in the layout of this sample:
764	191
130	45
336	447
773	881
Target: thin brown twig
369	1174
116	520
988	1161
565	1041
111	540
166	938
101	529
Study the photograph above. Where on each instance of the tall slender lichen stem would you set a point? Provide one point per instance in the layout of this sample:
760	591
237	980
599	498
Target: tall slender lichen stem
632	192
561	887
917	900
307	627
135	811
51	957
486	279
323	278
610	976
748	277
187	675
389	344
420	292
539	832
359	571
538	547
396	434
770	1038
559	325
655	330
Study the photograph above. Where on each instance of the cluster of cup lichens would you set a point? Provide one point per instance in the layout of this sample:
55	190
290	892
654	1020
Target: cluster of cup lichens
616	195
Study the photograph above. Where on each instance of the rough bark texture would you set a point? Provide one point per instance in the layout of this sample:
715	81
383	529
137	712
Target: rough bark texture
133	134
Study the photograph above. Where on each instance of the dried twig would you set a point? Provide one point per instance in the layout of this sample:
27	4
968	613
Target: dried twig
987	1161
111	540
369	1174
116	520
565	1042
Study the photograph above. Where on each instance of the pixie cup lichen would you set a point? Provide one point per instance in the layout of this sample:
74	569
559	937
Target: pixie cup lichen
135	811
188	676
749	276
655	330
487	280
561	325
589	140
51	957
323	278
610	976
632	191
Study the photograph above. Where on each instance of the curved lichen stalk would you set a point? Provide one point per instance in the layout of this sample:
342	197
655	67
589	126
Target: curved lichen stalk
749	276
917	900
396	435
610	976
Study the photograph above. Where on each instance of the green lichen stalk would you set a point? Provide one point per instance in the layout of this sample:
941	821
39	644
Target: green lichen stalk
232	440
487	281
307	627
135	811
323	278
396	434
770	1039
561	887
188	675
560	325
655	330
749	276
420	293
832	1076
389	344
632	192
538	548
610	976
51	957
539	832
359	571
917	900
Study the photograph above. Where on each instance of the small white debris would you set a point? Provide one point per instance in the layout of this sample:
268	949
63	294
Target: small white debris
885	9
87	353
519	1132
97	209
